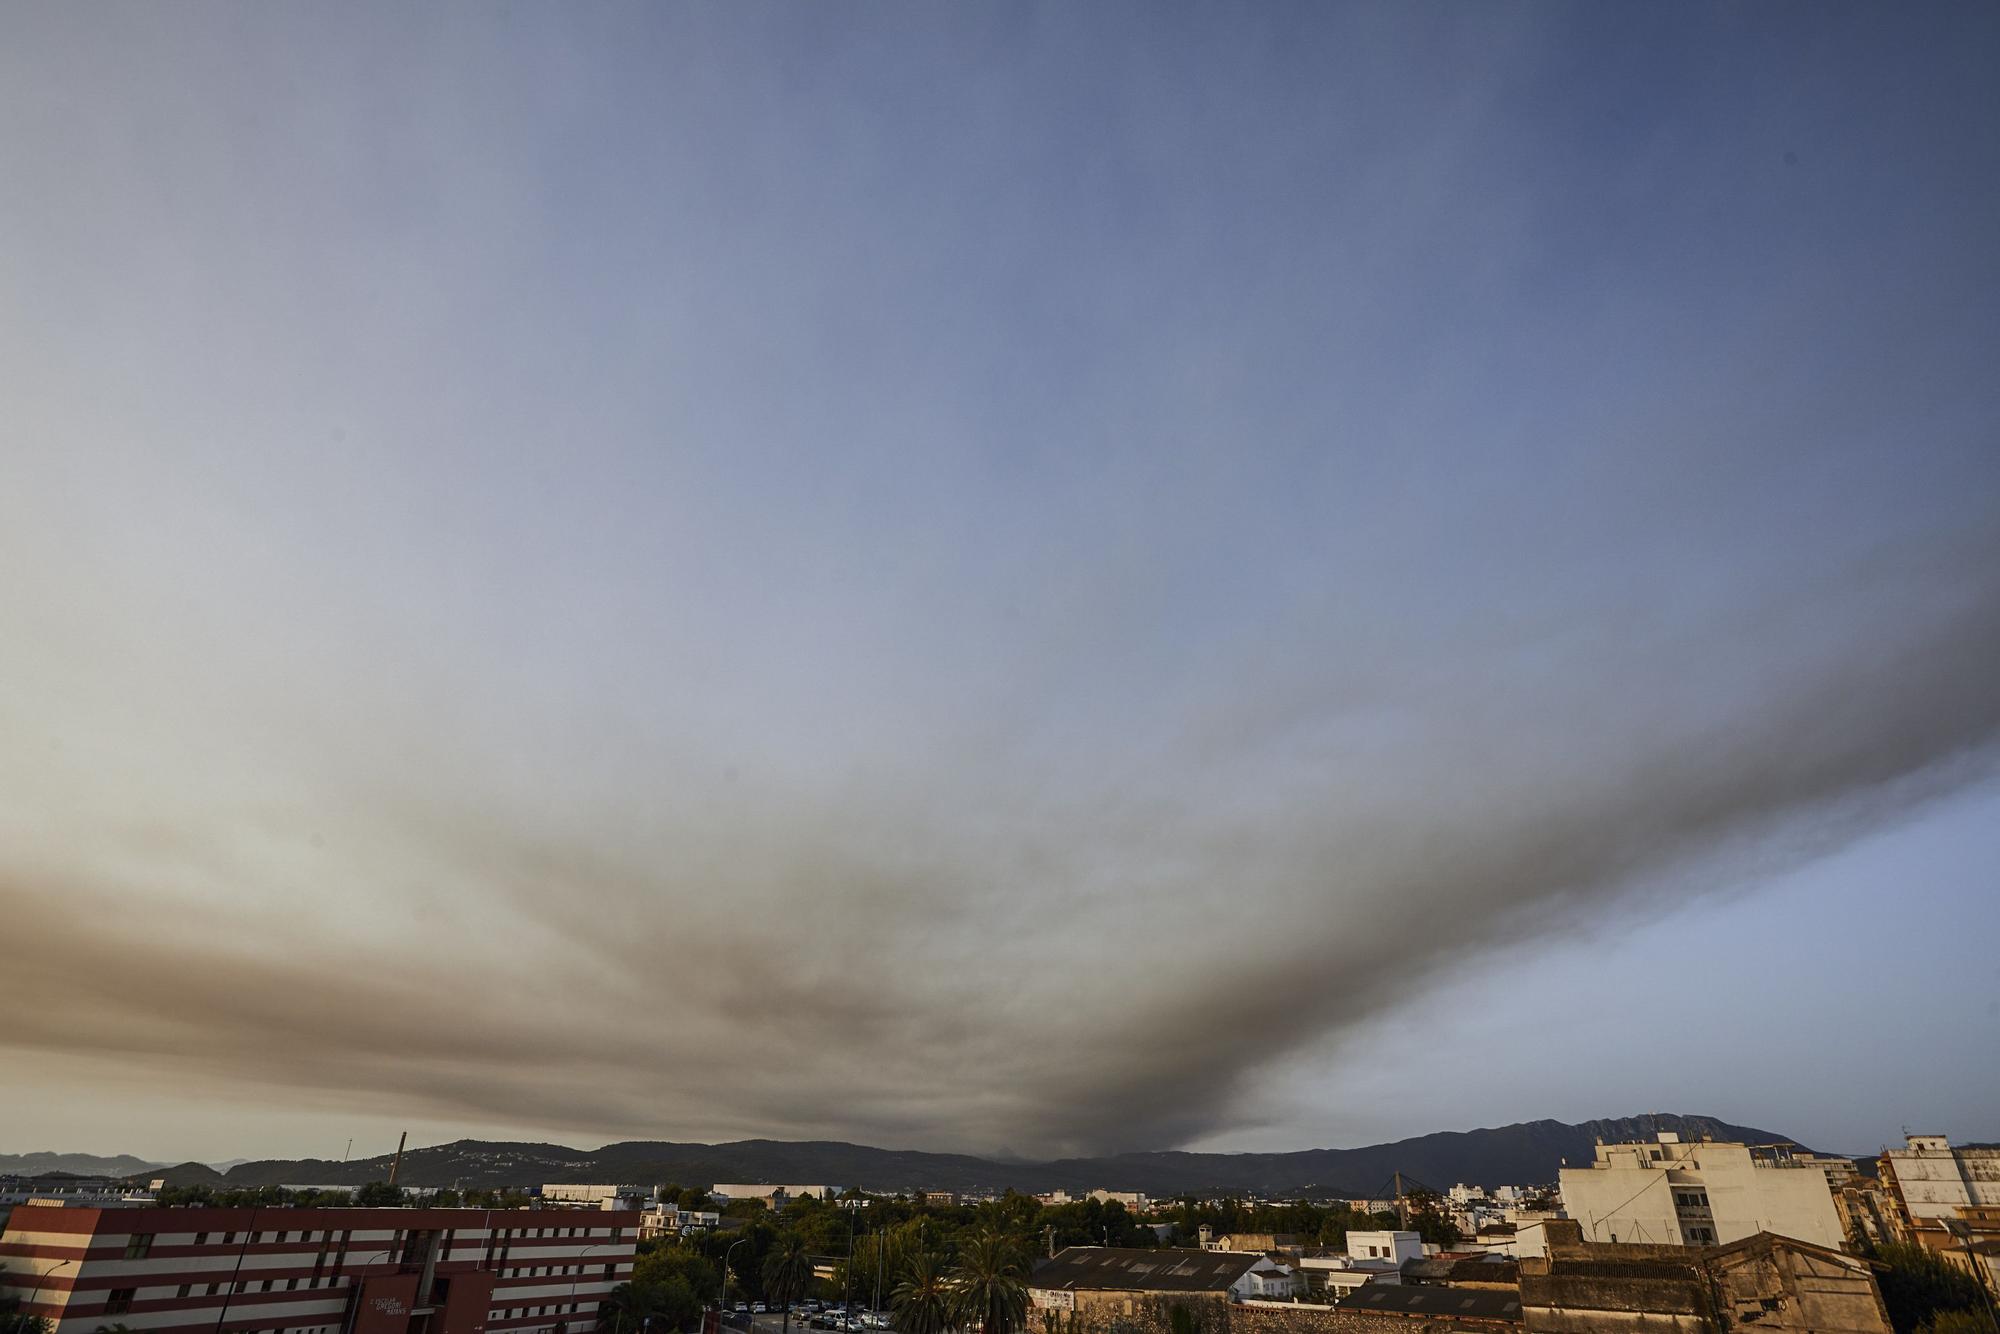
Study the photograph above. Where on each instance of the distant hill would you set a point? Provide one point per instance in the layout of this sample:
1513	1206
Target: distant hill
1532	1151
76	1164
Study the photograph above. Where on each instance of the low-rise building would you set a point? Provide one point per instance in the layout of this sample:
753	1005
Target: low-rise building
1395	1247
1702	1193
1332	1276
1094	1288
666	1220
1259	1242
315	1271
1463	1271
597	1196
1766	1282
1969	1239
1435	1310
777	1197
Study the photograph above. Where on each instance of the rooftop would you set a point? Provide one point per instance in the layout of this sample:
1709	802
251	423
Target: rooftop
1115	1268
1446	1303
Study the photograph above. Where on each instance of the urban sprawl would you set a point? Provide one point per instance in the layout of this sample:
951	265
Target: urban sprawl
1666	1234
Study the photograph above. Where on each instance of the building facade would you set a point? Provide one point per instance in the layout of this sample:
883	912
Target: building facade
316	1271
1763	1282
1705	1193
1931	1179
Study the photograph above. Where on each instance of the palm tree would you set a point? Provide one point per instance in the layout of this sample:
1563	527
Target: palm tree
990	1283
787	1270
923	1300
629	1304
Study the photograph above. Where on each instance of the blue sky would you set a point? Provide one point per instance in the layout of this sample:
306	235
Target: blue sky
1022	577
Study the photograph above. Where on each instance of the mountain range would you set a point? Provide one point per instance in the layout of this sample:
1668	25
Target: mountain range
1527	1152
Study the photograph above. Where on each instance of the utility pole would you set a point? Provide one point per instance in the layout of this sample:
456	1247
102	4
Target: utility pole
847	1270
1402	1207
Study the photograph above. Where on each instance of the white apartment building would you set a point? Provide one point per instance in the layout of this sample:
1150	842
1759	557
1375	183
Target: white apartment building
1700	1194
1933	1179
1395	1247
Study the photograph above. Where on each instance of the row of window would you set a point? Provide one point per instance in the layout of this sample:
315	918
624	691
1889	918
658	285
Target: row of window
521	1312
140	1244
540	1271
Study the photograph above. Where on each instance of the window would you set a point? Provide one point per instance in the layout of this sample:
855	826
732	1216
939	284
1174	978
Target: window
201	1239
266	1287
213	1288
138	1246
183	1290
229	1239
609	1270
119	1302
290	1284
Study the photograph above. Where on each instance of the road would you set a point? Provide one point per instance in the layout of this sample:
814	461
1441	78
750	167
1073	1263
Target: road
775	1324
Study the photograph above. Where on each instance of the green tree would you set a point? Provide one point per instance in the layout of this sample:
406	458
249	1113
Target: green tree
378	1195
1958	1322
1430	1219
627	1307
787	1269
661	1264
13	1320
923	1300
1918	1285
990	1283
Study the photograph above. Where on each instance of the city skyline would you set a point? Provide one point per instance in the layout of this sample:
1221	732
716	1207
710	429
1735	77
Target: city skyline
1038	580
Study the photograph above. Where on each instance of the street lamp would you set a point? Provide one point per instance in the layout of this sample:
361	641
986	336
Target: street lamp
36	1291
722	1298
354	1307
1958	1228
578	1276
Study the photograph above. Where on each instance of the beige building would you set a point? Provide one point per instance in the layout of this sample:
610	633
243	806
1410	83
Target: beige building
1764	1282
1931	1179
1704	1193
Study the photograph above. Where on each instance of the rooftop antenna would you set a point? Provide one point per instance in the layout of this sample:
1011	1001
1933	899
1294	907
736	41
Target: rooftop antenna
397	1166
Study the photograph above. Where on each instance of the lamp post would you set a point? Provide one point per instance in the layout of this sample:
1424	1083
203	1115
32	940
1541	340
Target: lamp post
1960	1230
354	1307
36	1291
722	1298
578	1276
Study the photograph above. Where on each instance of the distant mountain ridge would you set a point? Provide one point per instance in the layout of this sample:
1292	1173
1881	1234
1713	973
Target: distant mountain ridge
76	1164
1528	1152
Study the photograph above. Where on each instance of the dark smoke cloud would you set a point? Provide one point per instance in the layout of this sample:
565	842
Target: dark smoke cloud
1054	976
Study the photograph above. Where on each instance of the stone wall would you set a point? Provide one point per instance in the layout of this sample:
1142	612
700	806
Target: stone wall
1133	1313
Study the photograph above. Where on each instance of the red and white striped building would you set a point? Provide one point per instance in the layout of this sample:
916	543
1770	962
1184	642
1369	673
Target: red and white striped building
317	1271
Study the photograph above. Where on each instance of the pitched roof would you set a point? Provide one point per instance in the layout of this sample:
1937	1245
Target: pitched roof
1118	1269
1446	1303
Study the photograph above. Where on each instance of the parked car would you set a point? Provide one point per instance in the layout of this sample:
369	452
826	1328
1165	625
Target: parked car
742	1308
757	1308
